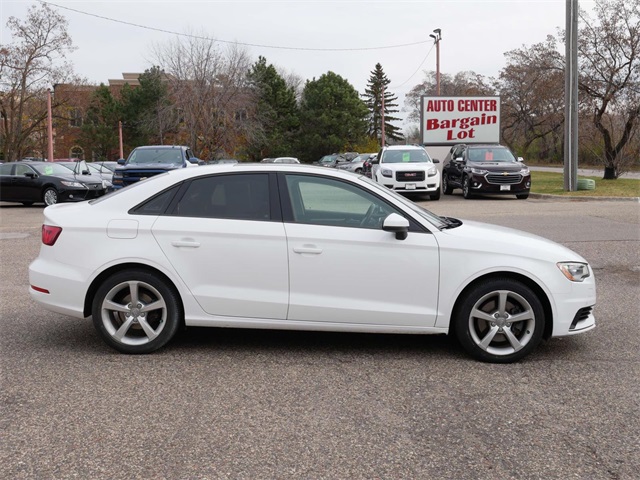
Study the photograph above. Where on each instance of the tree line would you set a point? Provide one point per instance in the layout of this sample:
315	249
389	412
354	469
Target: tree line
223	104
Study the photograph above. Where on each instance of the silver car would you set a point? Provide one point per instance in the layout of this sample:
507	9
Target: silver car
356	165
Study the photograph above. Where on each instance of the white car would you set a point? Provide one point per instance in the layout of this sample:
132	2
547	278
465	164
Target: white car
272	246
407	169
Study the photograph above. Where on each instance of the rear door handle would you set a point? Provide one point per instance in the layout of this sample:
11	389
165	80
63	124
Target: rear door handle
185	243
308	249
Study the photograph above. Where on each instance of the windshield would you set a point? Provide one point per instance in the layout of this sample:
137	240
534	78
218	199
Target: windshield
490	154
155	155
430	217
328	159
52	169
406	156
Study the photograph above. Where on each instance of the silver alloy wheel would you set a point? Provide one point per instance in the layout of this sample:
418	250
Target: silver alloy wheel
502	322
50	196
134	313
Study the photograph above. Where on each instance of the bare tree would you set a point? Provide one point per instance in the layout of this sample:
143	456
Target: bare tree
28	66
532	96
208	88
609	64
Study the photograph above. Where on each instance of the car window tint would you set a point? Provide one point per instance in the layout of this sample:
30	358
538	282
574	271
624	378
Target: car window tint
158	204
6	169
238	197
325	201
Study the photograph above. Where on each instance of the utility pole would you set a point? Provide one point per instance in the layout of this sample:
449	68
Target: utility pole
571	98
49	125
120	138
436	38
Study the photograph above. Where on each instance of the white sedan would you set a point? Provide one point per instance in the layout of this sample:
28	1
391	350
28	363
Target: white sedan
272	246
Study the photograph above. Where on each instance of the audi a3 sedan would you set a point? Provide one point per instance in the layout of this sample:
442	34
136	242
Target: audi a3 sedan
272	246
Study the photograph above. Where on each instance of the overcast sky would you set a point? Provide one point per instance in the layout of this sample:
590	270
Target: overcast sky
475	33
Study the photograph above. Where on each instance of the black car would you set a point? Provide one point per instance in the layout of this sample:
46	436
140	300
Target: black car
147	161
46	182
485	169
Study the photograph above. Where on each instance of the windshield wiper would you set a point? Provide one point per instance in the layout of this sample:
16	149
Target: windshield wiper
451	222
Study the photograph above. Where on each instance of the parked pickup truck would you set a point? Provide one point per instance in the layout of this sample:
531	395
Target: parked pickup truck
147	161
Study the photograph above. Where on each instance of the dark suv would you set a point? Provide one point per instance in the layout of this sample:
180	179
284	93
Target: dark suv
151	160
485	169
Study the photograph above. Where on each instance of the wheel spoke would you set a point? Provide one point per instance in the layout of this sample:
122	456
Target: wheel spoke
482	315
124	328
116	307
515	343
521	317
151	333
486	341
158	304
502	302
133	289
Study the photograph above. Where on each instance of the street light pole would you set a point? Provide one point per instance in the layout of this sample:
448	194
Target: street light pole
436	38
120	138
382	139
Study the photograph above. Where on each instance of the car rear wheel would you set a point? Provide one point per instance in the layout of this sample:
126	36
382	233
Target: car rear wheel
446	188
500	321
136	312
466	188
50	196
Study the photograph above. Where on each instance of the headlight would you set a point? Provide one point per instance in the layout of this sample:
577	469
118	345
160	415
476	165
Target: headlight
524	171
432	171
479	171
72	184
386	173
105	184
574	271
117	175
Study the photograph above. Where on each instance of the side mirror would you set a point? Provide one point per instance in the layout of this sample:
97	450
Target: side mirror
375	161
397	224
520	159
435	160
121	161
30	175
459	159
86	172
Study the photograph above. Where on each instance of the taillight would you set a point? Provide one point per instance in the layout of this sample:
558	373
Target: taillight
50	234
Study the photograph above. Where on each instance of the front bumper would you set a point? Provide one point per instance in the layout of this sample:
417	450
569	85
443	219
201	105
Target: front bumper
494	185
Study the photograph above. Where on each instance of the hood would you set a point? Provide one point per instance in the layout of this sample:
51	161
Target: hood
484	237
150	166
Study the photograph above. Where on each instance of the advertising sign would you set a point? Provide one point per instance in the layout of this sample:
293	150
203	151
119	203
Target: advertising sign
452	120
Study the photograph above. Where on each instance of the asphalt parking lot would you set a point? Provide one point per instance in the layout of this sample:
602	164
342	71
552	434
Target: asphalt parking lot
243	404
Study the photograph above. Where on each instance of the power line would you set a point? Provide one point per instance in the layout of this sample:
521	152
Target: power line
235	42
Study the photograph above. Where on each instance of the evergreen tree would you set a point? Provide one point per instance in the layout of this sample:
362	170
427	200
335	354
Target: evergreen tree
277	113
99	133
333	117
373	95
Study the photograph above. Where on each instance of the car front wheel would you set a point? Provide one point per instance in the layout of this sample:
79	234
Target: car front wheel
50	196
466	188
136	312
435	196
499	321
522	196
446	188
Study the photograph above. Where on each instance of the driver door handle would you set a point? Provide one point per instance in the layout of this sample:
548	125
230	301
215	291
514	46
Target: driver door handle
186	243
308	249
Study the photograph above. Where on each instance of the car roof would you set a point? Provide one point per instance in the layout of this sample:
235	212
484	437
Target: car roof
404	147
155	147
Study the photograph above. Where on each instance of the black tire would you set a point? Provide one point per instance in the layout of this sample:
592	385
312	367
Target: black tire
502	340
466	188
50	196
358	170
522	196
130	326
447	189
27	204
435	196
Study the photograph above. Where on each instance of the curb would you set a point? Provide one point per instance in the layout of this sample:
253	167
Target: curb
547	196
